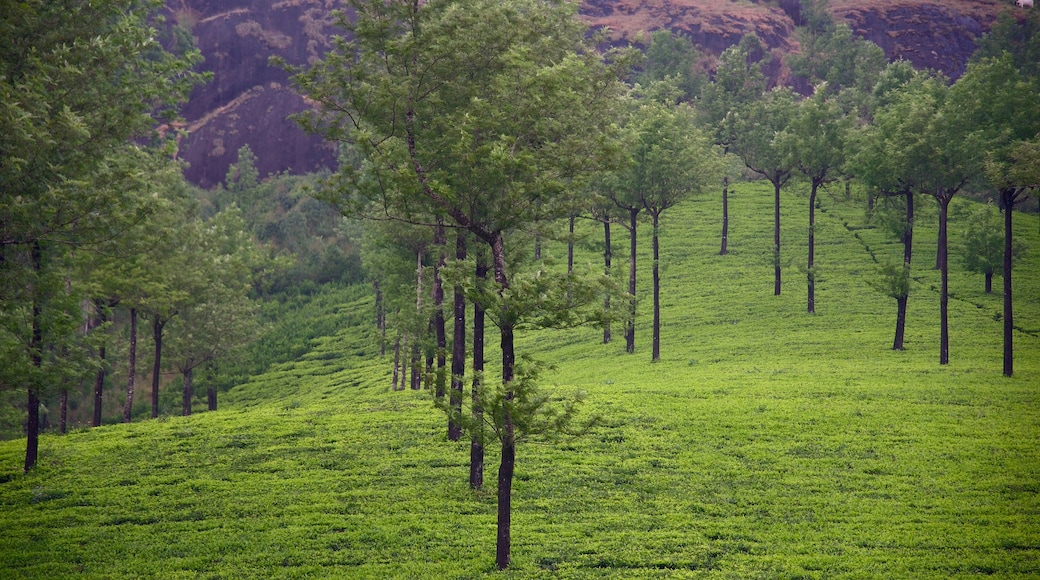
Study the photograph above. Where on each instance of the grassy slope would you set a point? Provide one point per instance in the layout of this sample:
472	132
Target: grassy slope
766	444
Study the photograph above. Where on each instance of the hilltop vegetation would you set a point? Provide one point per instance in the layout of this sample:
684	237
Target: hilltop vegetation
766	442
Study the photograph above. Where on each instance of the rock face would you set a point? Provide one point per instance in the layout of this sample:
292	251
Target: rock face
248	102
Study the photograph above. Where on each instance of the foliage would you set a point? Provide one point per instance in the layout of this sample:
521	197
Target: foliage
983	245
310	240
672	55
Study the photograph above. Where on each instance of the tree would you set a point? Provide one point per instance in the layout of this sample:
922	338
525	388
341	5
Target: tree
738	82
220	317
996	98
815	140
670	160
755	142
482	113
672	55
78	81
1022	173
886	156
983	247
814	33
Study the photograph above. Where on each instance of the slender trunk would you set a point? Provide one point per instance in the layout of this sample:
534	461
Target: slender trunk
776	238
810	272
630	324
128	406
901	301
476	446
505	494
989	282
32	429
944	292
908	239
570	244
189	391
211	398
380	317
64	423
32	425
458	346
415	365
940	259
507	435
1009	199
725	215
656	346
428	375
99	378
397	363
607	254
439	323
157	335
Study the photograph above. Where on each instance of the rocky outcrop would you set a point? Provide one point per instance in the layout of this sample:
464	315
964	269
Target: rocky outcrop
249	100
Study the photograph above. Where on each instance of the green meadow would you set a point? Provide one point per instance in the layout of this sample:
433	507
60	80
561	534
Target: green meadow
767	442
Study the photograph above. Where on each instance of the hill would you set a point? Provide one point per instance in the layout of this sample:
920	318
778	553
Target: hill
249	100
767	443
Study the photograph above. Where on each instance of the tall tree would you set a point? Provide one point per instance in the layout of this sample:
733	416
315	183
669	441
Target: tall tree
738	82
670	160
220	318
78	81
480	112
815	140
996	98
887	156
756	143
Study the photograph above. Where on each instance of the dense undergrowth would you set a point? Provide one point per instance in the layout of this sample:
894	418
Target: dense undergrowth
767	443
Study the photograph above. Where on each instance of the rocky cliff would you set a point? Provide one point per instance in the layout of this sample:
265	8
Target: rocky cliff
249	100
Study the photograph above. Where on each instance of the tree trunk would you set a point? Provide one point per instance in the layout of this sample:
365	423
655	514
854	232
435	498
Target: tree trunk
570	244
989	281
940	259
416	350
897	344
776	238
458	345
211	398
397	363
32	424
505	499
380	317
188	391
99	378
128	406
415	365
439	323
607	254
908	239
630	324
944	272
507	435
725	215
656	338
811	274
157	335
476	446
64	422
1009	197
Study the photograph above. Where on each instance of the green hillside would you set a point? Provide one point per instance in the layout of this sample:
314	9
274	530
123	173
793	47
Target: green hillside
767	443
